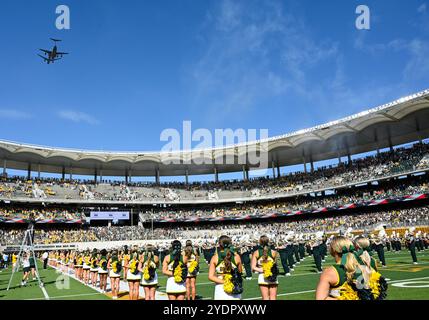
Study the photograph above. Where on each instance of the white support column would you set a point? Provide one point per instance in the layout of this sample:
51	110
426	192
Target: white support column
305	164
4	167
187	177
157	176
273	166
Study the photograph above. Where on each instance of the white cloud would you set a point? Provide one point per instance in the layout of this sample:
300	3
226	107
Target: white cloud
255	51
14	114
78	117
422	8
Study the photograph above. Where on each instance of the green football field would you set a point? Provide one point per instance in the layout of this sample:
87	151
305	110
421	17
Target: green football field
406	282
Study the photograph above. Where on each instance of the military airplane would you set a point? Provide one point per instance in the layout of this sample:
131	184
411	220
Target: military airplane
53	55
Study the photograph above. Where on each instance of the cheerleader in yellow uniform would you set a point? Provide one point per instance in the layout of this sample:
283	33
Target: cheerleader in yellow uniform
147	266
193	269
86	267
94	268
174	267
78	265
348	279
225	271
134	275
264	262
103	270
115	266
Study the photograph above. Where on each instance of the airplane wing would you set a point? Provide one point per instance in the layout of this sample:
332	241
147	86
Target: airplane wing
43	57
45	51
61	53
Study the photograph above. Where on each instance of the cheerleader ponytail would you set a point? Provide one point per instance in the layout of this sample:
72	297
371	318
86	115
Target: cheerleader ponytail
351	265
225	244
264	241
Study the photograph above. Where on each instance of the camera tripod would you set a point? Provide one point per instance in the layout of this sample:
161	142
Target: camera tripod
27	245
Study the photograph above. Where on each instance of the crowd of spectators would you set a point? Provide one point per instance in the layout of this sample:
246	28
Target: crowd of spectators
362	169
396	218
394	189
40	213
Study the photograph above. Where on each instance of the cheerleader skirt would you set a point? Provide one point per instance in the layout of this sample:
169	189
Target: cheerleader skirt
152	282
175	288
93	269
220	294
133	277
86	267
114	274
265	282
102	271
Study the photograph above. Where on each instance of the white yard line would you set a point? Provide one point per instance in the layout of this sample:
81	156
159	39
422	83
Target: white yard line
69	296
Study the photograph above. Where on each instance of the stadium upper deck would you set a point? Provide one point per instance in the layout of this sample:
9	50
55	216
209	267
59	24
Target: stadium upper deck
401	121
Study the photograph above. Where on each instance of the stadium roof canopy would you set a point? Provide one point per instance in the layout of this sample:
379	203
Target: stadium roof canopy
402	121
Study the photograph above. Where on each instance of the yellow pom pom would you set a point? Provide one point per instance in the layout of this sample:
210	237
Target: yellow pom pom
228	286
267	267
192	266
178	273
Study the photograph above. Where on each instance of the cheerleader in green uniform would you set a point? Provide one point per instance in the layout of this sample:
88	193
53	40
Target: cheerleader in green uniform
86	267
349	279
363	247
225	271
94	268
102	269
264	262
148	264
193	269
115	266
175	268
134	275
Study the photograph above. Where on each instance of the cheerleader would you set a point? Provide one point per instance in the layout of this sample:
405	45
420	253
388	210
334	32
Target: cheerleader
125	260
78	264
94	268
148	263
70	262
115	266
363	247
174	267
134	275
86	267
225	271
264	262
348	279
102	269
193	268
57	260
14	260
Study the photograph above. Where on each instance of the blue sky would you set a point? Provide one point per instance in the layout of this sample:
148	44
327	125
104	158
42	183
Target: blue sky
139	67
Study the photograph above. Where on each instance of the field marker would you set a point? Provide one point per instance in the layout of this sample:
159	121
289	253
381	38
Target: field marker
69	296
